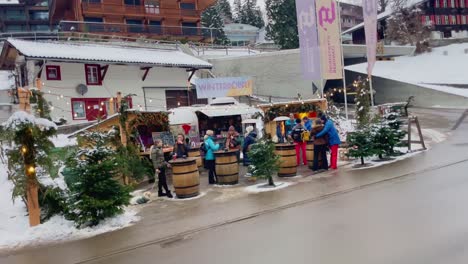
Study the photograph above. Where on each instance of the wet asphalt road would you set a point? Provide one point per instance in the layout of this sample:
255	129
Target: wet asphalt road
419	219
419	216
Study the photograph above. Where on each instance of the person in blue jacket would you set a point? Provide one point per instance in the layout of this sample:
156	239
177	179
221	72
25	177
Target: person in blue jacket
307	123
333	140
210	147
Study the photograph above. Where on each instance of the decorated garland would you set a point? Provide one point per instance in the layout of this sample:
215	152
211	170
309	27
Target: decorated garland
284	110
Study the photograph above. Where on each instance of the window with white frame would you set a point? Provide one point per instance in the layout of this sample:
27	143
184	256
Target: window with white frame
78	108
463	20
446	20
454	20
93	74
437	3
445	4
462	3
452	3
438	20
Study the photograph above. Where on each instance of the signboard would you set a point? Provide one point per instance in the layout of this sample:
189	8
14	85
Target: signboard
223	87
369	8
166	137
329	39
308	39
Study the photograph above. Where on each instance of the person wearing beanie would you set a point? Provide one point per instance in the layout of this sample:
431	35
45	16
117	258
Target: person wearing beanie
333	140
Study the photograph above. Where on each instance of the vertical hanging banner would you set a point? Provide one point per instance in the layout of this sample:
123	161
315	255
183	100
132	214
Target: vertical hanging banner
308	39
329	39
370	28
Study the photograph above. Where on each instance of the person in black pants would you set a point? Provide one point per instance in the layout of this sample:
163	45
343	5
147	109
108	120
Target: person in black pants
320	148
157	157
210	147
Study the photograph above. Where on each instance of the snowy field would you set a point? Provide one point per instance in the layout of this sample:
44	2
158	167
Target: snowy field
451	61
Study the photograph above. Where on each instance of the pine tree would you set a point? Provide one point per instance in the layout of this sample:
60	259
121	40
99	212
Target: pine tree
251	14
361	144
225	10
237	11
94	194
282	23
362	101
265	163
212	18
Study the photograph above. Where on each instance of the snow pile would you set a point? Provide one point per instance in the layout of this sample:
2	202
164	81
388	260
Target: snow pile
14	223
451	62
263	187
62	140
19	118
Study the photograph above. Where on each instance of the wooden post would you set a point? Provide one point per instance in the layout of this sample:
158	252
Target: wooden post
32	189
409	133
111	106
416	120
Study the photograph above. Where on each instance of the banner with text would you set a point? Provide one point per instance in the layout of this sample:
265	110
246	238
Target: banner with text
329	39
308	39
222	87
370	27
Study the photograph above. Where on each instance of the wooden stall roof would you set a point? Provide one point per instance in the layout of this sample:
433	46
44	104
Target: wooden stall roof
113	121
321	103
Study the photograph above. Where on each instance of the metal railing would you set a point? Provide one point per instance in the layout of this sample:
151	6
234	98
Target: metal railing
116	28
146	10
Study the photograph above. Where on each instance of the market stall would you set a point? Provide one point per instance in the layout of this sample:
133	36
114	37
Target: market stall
299	109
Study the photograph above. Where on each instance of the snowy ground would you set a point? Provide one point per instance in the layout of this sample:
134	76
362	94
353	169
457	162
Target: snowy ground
14	225
419	70
62	140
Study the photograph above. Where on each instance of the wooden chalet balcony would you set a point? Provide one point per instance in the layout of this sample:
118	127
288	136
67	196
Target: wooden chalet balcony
175	32
137	10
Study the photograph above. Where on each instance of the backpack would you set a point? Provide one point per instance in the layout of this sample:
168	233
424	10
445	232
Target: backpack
297	134
203	149
305	135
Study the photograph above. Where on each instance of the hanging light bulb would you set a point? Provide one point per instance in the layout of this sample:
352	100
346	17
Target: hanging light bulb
331	94
89	107
31	169
48	91
75	115
102	103
151	100
52	108
100	108
61	96
24	149
286	105
58	98
178	103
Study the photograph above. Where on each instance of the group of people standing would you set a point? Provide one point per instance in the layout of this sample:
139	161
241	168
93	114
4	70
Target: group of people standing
233	142
324	136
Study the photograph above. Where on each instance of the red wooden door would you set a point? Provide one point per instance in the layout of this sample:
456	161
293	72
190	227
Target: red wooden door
94	109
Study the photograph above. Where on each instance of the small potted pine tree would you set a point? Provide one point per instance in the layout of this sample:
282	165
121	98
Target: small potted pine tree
265	163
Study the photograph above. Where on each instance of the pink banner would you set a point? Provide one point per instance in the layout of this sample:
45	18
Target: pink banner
329	39
369	8
307	28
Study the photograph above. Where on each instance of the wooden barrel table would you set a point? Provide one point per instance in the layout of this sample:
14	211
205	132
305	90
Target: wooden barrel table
185	177
227	167
195	153
310	154
287	153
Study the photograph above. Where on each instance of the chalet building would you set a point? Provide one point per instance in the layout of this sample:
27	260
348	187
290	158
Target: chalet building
24	15
160	19
81	80
351	15
449	19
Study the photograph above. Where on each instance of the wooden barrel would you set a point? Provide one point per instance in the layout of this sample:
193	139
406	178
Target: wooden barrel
310	154
195	153
227	167
287	152
185	177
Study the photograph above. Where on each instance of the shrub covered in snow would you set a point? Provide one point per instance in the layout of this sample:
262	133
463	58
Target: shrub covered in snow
94	193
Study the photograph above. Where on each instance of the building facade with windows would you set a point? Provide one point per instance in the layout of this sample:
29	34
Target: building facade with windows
167	19
81	81
24	15
351	15
448	18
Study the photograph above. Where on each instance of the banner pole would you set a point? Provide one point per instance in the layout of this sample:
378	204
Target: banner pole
342	62
371	90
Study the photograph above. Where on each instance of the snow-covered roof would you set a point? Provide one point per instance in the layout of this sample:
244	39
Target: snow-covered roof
382	15
450	72
9	2
106	53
